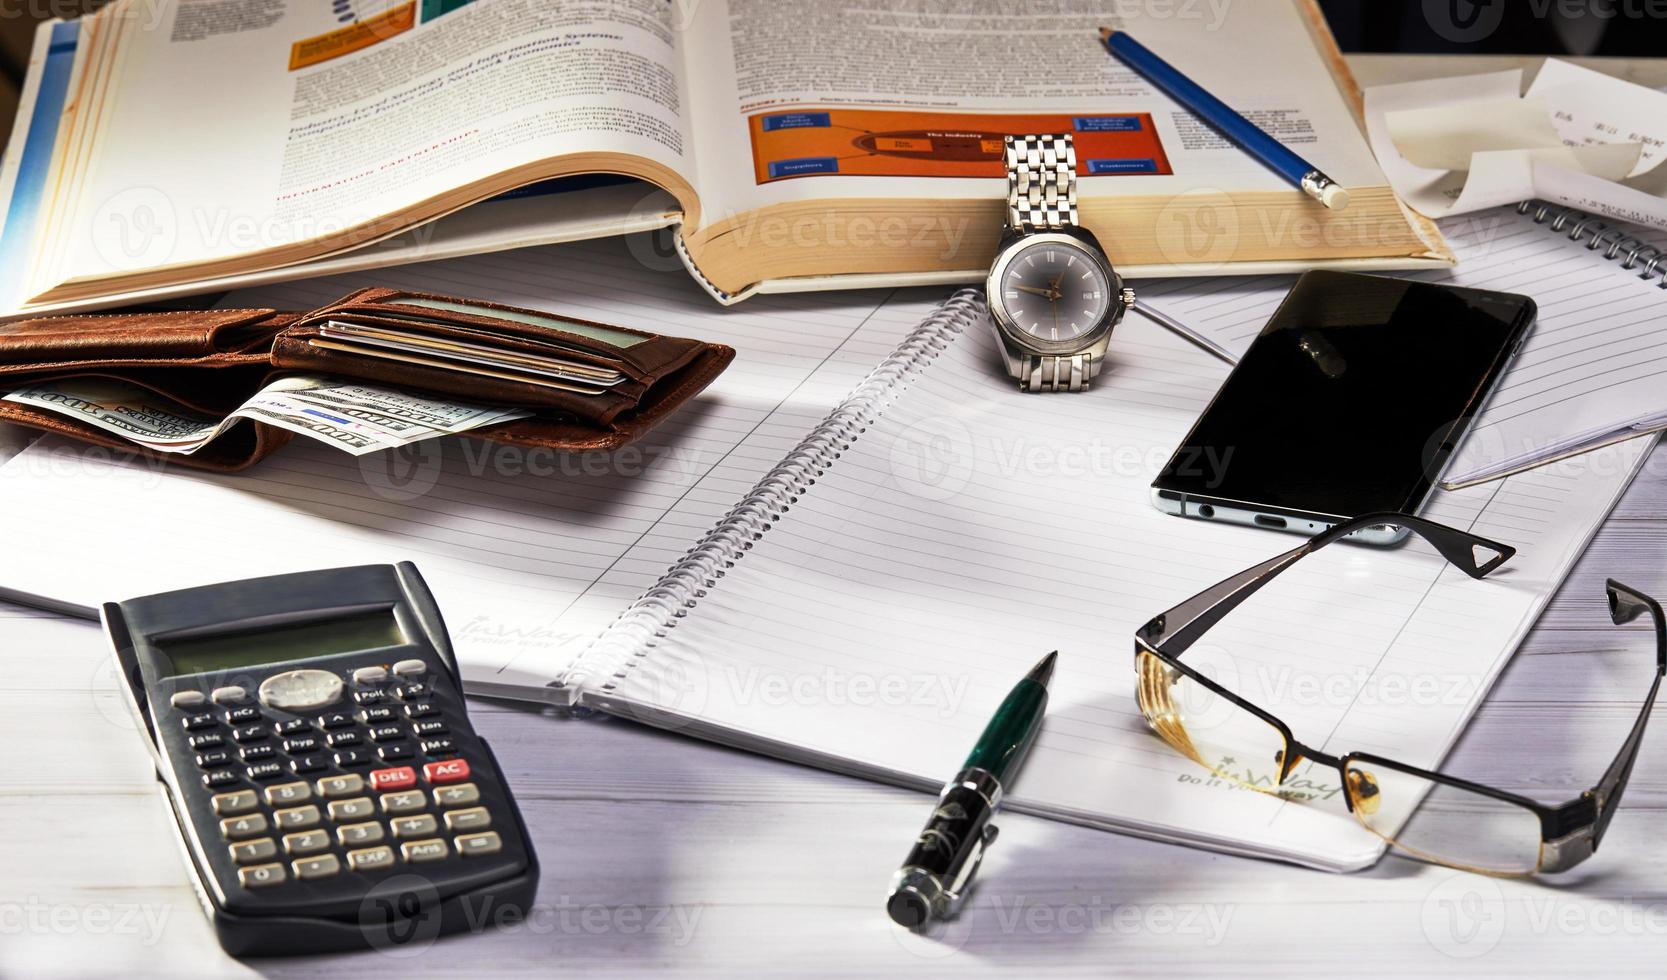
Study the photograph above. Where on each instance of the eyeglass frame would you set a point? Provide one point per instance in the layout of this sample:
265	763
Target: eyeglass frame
1569	832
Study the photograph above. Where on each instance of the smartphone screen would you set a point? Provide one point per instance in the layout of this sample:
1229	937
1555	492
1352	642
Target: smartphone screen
1352	398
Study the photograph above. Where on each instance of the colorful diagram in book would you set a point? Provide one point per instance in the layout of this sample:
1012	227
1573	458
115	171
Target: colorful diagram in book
890	143
365	23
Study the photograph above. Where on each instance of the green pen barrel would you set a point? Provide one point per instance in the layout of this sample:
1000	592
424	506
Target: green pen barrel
1011	732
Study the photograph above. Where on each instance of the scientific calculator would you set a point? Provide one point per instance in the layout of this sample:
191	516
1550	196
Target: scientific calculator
311	741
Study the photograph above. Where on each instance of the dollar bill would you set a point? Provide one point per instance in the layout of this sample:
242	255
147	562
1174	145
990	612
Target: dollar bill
355	418
136	413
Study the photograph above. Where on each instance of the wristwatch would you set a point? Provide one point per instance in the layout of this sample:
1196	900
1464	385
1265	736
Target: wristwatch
1053	295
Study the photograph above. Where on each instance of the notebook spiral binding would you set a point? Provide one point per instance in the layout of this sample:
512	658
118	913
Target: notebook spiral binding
1603	234
631	637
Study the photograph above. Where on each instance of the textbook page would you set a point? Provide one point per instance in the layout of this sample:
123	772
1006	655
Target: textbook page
233	129
524	549
879	620
1592	368
797	101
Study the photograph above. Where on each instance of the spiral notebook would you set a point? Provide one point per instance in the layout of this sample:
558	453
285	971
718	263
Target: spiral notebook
867	604
858	592
1593	372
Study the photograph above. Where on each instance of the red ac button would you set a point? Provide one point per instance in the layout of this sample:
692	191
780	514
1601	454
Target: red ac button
449	771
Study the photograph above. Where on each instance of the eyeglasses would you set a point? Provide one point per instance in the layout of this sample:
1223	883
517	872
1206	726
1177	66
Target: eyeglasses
1424	814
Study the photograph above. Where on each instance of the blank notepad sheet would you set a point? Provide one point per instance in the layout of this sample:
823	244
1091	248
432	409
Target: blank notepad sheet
971	529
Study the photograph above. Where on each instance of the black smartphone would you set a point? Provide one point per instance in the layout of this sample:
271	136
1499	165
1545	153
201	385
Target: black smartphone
1349	402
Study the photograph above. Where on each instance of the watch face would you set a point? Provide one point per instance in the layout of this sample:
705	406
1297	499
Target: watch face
1056	291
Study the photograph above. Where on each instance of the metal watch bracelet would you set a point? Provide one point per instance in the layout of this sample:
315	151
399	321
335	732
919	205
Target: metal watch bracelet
1041	182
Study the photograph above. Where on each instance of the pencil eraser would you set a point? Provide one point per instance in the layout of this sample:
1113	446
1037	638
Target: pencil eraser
1335	197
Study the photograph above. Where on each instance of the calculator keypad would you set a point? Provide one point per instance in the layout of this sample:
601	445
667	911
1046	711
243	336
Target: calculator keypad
369	784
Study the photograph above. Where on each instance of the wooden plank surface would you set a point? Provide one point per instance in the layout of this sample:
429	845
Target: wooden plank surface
667	854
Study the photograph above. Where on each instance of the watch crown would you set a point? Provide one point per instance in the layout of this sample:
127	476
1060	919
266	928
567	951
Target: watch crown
1127	297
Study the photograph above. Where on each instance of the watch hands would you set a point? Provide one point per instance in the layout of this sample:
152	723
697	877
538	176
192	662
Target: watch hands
1051	293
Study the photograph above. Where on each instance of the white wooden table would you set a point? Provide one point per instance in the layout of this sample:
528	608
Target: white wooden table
668	854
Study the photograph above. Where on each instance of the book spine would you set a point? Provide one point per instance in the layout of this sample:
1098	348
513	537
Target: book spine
1613	239
631	638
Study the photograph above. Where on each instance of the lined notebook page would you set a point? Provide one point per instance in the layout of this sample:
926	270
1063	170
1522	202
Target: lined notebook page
1594	366
522	549
972	529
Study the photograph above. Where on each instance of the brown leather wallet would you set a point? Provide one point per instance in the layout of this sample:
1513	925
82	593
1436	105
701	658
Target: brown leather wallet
213	360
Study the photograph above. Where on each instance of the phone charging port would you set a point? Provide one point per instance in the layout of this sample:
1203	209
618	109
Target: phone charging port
1268	521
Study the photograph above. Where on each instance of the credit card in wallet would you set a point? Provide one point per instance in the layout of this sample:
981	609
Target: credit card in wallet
466	357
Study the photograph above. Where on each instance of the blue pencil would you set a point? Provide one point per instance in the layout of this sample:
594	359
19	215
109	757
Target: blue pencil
1249	137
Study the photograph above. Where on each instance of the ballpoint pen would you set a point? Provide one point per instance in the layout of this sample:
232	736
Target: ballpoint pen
1249	137
934	877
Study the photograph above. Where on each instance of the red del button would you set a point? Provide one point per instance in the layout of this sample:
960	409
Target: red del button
449	771
390	779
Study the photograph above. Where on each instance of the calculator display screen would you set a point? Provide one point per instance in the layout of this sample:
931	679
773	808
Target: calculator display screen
323	638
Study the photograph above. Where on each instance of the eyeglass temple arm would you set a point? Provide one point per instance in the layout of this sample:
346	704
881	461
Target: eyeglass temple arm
1172	632
1625	605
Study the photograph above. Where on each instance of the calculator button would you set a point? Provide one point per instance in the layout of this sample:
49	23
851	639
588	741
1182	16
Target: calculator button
426	729
305	743
306	763
288	793
386	733
357	809
297	817
355	834
261	875
199	721
449	771
418	826
419	851
301	690
338	740
212	740
242	716
410	668
306	842
439	746
211	760
393	753
352	758
186	700
251	851
255	753
370	695
248	825
335	719
403	777
474	818
335	786
405	802
248	733
231	804
421	710
264	771
230	694
459	795
370	675
371	859
322	866
475	845
285	729
219	778
412	692
372	716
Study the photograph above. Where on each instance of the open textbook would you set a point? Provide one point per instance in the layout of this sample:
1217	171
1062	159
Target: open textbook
172	146
844	550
